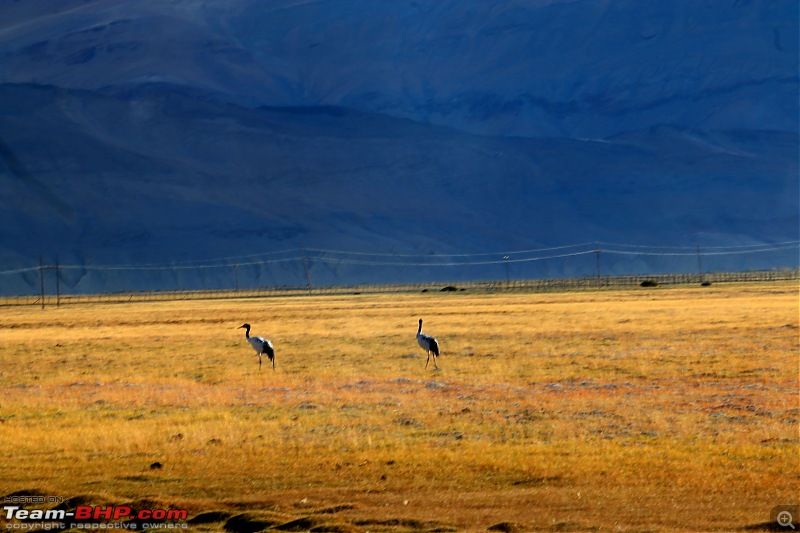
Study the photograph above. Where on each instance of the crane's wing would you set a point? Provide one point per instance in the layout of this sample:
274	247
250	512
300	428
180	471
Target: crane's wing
434	346
266	347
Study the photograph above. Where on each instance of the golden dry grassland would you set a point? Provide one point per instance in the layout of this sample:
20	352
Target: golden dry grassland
661	409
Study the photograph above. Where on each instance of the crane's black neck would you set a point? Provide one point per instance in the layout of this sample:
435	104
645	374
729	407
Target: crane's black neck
420	328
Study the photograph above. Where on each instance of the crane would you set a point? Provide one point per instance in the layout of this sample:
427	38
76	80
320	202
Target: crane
261	345
428	344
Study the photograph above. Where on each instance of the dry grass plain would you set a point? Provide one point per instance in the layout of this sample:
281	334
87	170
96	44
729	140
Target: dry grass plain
661	409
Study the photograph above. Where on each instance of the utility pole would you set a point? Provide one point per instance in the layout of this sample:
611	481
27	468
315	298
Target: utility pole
236	276
305	268
699	264
41	280
597	261
508	278
58	284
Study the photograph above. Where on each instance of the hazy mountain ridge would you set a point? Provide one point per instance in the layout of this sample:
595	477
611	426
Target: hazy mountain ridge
567	69
140	132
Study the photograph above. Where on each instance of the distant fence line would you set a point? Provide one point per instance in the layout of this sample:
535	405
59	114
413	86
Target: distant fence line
526	285
323	271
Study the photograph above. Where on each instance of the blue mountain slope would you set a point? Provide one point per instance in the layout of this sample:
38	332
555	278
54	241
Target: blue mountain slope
543	68
152	132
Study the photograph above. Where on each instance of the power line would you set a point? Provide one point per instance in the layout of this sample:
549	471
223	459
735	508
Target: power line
695	252
206	262
453	263
176	266
739	246
517	252
19	270
422	260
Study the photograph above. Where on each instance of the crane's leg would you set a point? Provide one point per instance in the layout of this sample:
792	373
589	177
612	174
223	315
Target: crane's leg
273	362
434	362
259	361
428	360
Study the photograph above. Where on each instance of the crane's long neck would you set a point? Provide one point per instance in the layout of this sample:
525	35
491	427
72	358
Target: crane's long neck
247	333
420	328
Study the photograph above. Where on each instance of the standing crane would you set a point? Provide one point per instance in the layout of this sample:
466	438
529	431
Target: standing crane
261	345
428	344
